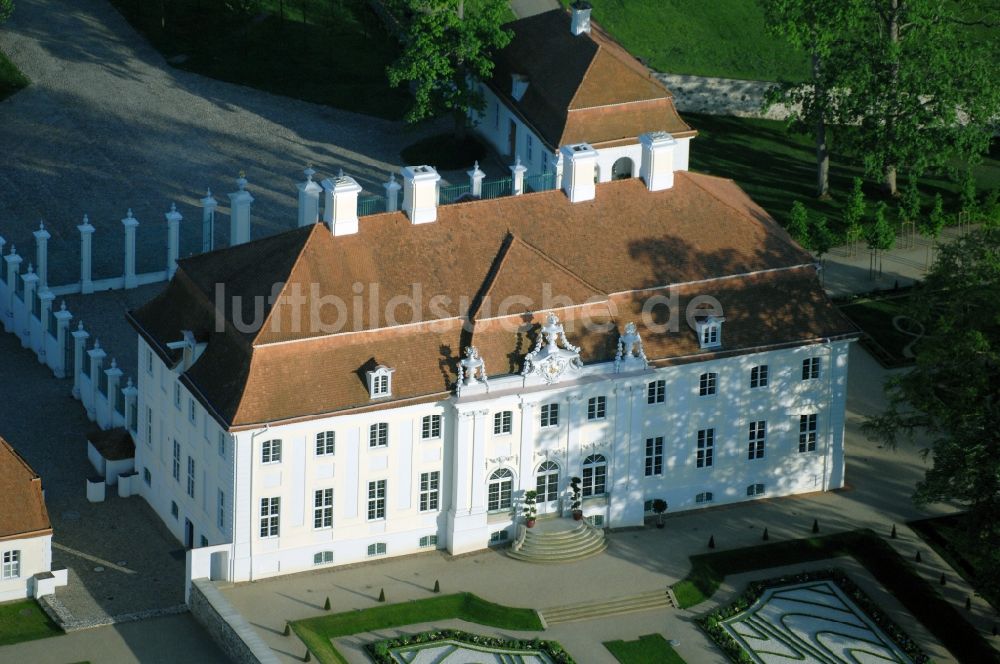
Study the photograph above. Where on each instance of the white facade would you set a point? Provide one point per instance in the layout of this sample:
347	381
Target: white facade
348	497
20	560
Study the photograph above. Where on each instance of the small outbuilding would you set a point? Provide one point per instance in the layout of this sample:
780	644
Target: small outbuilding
111	453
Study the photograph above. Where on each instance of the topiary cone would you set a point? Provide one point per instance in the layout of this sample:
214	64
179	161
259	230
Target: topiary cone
944	579
288	630
381	595
815	525
307	657
994	629
437	586
326	604
968	603
765	536
918	558
711	542
893	533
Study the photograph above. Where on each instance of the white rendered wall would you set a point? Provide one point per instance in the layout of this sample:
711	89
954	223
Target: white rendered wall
36	556
606	157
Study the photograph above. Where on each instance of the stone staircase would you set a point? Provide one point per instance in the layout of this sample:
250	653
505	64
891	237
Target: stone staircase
655	599
559	541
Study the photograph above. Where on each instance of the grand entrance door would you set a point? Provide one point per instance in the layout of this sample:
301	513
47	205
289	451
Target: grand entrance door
547	486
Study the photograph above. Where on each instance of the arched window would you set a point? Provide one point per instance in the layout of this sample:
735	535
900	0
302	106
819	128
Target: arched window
547	482
622	169
595	475
501	485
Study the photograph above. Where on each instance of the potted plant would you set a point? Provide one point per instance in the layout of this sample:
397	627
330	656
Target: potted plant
529	508
659	506
574	485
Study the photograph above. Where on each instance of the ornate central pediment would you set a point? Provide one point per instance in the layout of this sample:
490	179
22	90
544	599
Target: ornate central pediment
553	355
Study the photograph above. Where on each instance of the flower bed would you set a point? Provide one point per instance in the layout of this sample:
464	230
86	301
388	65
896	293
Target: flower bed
381	651
718	623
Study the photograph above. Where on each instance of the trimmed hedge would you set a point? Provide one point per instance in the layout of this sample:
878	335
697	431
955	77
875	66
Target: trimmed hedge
380	650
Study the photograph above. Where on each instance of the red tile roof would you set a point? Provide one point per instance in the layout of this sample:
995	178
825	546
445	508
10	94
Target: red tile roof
22	506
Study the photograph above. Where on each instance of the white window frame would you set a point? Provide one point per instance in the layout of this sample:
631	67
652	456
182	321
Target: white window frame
270	451
428	541
222	444
377	549
549	415
430	487
595	476
326	443
380	382
705	450
192	412
190	477
501	483
654	456
808	432
708	384
709	332
759	377
177	395
704	497
597	408
430	427
503	423
377	490
756	440
756	490
220	517
270	517
323	557
149	426
323	509
11	564
811	368
656	392
177	461
378	435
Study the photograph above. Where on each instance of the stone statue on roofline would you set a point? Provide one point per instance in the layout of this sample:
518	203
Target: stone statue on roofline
630	355
548	360
471	369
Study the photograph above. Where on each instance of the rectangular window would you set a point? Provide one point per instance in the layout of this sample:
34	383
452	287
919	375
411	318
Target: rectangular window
758	376
190	483
177	396
192	412
706	448
270	451
550	415
323	509
222	444
147	477
149	362
595	477
11	564
807	433
530	144
430	427
498	536
326	443
377	549
177	461
376	500
704	497
596	408
502	423
221	510
710	335
149	426
755	489
428	540
378	435
707	383
757	437
810	368
270	517
429	485
496	115
656	391
173	509
654	456
204	541
322	557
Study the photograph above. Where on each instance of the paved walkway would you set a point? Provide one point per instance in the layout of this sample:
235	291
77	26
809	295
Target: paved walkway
880	483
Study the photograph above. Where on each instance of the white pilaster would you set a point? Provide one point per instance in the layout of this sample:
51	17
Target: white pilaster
114	376
63	317
96	357
79	344
517	177
467	520
42	255
208	206
309	193
130	223
30	288
86	247
45	297
13	270
173	239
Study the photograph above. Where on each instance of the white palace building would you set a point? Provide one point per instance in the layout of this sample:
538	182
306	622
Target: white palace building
358	388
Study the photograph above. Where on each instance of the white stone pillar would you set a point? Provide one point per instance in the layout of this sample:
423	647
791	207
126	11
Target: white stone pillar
657	168
208	205
96	357
42	255
13	270
173	239
130	223
239	211
517	177
558	161
467	522
3	243
79	344
526	453
114	376
63	317
476	180
309	193
327	184
45	297
478	442
131	411
86	246
579	171
30	288
345	205
420	193
392	193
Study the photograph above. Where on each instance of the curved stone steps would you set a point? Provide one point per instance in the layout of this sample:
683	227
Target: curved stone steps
553	545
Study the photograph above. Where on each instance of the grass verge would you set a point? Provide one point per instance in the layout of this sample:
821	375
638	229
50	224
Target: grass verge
24	620
896	574
332	53
11	78
648	649
318	632
949	536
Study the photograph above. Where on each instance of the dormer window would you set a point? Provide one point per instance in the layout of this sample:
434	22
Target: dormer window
518	86
380	382
709	331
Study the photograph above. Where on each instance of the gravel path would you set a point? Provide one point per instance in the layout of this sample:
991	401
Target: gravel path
107	125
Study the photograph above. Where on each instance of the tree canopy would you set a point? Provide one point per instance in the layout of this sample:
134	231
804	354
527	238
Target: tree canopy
951	400
445	43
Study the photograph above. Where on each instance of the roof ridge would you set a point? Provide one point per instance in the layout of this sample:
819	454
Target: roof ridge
20	459
284	286
583	78
558	264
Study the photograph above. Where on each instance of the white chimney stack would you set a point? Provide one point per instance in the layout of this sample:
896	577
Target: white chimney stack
579	170
420	194
579	17
657	169
344	218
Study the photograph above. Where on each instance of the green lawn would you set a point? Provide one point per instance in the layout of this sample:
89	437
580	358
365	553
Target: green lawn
24	620
724	38
332	53
649	649
11	78
898	577
950	537
875	317
317	633
777	168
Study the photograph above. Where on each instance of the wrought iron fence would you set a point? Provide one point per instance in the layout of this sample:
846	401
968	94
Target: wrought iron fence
496	188
36	307
453	192
540	182
19	287
68	352
52	325
86	365
102	383
371	204
120	402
